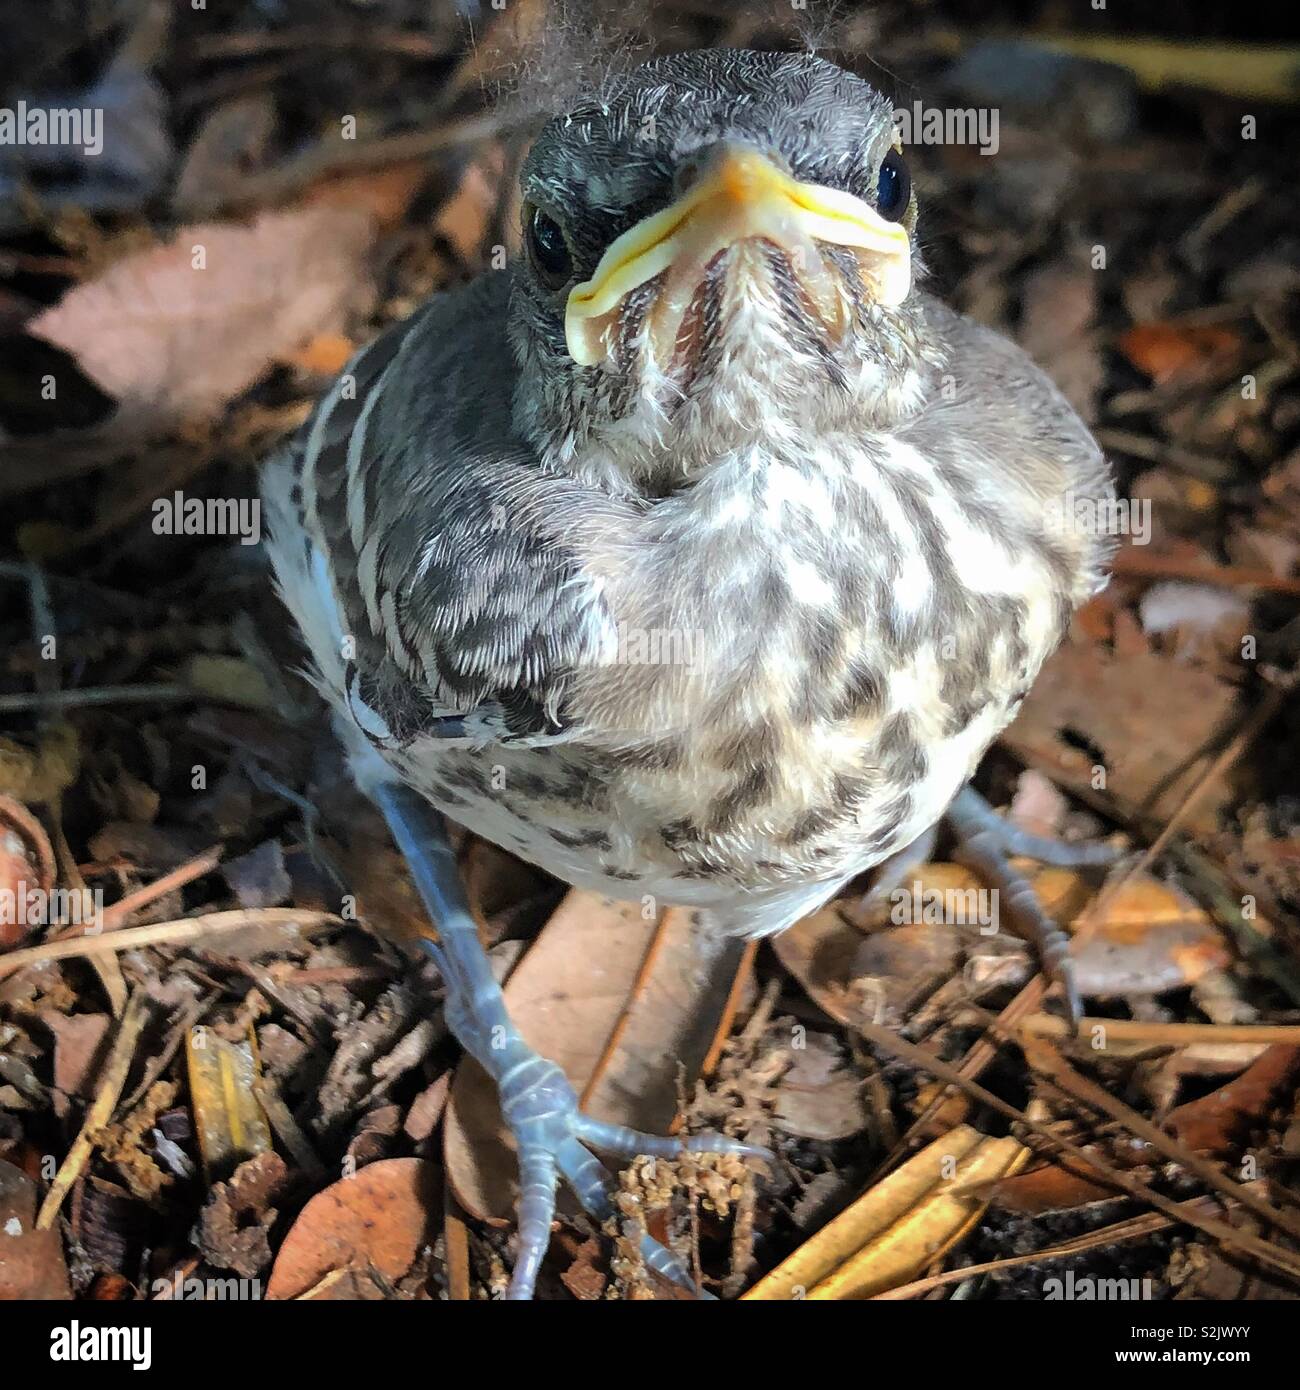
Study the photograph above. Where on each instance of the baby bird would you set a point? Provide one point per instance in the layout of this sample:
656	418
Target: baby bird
696	557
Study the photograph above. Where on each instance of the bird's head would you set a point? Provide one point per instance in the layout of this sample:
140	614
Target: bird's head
719	249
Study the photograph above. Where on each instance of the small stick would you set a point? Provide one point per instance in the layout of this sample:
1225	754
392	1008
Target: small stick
112	918
1277	1256
97	695
186	930
1177	1034
101	1109
1133	562
291	1136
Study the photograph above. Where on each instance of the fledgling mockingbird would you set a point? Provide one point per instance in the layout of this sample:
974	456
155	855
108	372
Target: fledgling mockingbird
697	557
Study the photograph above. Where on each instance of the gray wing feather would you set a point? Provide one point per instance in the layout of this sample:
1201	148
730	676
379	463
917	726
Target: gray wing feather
456	561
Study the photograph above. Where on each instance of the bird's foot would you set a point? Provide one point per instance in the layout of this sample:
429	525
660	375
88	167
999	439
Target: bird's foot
553	1137
987	842
555	1140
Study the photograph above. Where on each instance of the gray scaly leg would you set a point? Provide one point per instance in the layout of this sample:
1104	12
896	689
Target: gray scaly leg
537	1101
986	842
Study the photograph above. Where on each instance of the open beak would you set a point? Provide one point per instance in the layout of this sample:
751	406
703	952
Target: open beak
739	195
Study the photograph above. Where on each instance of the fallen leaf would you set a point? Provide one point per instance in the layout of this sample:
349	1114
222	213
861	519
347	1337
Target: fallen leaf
180	329
599	974
1059	302
80	1046
32	1265
326	355
1152	938
819	1098
259	878
379	1219
1061	1186
1213	1124
899	1226
464	218
1142	717
228	678
1199	608
26	865
1171	351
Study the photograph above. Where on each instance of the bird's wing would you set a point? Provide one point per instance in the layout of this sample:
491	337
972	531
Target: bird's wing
1014	445
455	563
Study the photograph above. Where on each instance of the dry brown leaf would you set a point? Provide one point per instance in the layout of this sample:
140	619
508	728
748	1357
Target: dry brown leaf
464	218
598	968
80	1045
1059	302
1213	1124
230	139
899	1226
818	1096
325	355
31	1260
1144	714
1059	1186
380	1219
183	328
1172	351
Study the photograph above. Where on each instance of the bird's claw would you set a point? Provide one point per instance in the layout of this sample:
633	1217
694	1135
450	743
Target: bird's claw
986	842
554	1140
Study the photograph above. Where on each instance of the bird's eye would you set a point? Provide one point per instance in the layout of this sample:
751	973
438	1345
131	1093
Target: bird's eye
547	248
893	187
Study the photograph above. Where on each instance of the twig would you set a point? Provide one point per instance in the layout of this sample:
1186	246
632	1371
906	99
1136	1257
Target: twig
97	695
1048	1062
101	1108
1129	560
1175	1034
185	931
112	918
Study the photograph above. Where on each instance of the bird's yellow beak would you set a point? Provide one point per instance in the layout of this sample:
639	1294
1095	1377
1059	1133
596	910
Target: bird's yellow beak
738	195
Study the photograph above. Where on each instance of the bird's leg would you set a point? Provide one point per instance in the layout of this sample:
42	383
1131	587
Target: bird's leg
537	1101
891	871
986	842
